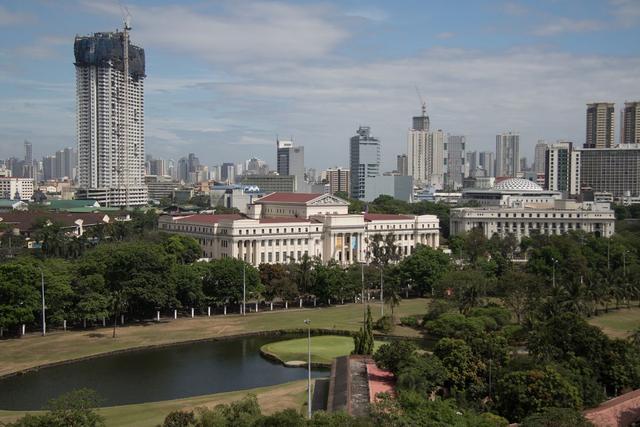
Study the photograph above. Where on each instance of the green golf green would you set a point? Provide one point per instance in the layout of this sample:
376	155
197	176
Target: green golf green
324	349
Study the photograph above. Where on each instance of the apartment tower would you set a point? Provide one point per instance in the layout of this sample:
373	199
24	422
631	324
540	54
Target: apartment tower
600	125
631	123
110	72
508	154
364	160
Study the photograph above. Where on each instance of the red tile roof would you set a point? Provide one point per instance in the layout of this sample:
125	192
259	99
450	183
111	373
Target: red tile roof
385	217
289	197
282	219
209	219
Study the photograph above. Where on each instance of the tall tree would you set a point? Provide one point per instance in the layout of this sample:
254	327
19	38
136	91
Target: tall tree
422	269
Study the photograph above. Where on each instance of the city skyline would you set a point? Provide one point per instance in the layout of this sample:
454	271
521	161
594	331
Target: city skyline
533	76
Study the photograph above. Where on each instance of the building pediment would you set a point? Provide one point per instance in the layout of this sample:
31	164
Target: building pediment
327	200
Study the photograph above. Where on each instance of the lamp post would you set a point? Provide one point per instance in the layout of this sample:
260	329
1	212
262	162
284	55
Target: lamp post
362	294
44	321
381	293
244	290
308	323
555	261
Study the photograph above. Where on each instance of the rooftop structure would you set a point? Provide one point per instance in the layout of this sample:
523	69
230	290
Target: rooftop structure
509	192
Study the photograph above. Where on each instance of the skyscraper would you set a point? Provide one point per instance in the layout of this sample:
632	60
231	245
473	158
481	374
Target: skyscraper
425	152
402	165
487	160
600	125
562	168
630	133
110	118
364	158
28	152
508	154
540	152
338	179
472	162
456	159
290	161
417	148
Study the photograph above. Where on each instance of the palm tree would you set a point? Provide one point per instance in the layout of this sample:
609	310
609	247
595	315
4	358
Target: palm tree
634	338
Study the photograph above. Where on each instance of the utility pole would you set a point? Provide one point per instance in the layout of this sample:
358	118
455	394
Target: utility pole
44	321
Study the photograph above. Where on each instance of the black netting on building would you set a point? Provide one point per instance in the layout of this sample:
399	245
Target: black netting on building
105	49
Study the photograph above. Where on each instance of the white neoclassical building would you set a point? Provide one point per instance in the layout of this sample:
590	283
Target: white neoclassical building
523	208
283	227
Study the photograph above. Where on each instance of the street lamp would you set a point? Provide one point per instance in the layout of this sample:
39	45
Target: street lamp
308	323
244	290
381	293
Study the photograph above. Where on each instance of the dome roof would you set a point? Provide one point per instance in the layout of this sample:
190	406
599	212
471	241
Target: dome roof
517	184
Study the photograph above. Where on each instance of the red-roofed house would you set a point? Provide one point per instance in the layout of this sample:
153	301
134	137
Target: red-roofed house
283	227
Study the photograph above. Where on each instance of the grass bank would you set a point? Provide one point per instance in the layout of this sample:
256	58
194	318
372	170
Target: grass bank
618	323
272	399
324	349
34	350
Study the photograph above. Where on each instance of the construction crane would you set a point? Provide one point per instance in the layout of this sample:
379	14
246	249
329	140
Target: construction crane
126	18
422	103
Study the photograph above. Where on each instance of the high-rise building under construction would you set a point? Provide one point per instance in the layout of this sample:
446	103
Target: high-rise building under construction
110	119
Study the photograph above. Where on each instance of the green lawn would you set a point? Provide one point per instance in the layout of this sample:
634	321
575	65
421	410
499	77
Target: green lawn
618	323
324	349
271	399
34	350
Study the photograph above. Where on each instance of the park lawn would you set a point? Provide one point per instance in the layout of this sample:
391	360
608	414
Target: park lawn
272	399
34	350
324	349
618	323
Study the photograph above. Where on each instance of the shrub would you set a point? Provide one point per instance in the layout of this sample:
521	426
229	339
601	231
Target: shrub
438	308
455	325
501	315
384	324
179	419
410	321
556	417
389	356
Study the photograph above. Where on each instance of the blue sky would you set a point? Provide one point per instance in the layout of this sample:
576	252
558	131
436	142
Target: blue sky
226	77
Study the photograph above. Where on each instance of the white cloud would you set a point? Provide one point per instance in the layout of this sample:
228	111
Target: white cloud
566	25
541	94
445	35
243	32
515	8
44	47
626	11
370	14
14	18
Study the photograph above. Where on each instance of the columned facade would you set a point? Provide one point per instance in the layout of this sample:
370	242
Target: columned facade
345	238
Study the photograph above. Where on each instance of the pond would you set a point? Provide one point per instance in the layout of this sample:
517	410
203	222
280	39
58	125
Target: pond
155	374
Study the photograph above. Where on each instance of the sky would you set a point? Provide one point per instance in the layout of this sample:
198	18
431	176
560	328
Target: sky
225	78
